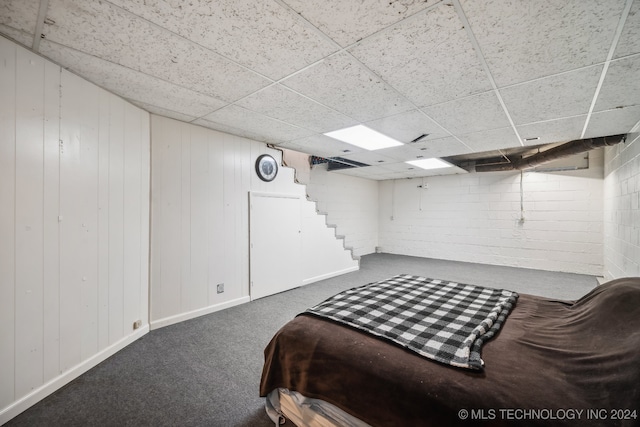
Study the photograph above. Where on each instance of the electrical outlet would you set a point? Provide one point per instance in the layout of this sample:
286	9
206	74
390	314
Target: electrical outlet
220	288
137	324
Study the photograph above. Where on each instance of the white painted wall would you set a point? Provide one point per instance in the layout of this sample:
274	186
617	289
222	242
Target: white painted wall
622	209
200	184
351	204
74	226
475	218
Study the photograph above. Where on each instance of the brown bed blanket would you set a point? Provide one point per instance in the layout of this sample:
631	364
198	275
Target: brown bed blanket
553	363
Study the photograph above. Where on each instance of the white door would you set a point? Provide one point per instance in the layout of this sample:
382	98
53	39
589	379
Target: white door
275	244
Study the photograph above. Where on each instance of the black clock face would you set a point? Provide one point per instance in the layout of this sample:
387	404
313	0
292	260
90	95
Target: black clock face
266	167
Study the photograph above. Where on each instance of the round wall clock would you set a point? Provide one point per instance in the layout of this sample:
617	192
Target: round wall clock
266	167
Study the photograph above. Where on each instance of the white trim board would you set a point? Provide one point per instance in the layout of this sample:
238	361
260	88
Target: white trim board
160	323
21	405
330	275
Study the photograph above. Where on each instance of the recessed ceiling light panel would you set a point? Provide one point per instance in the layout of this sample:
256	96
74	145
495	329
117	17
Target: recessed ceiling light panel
432	163
363	137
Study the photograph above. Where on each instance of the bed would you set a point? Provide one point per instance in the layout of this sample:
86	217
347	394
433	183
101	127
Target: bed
551	361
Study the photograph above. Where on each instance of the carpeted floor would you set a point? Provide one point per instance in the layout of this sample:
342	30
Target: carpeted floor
206	371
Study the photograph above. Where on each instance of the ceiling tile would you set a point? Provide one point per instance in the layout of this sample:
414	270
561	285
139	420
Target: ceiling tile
345	85
388	176
261	35
629	42
399	167
132	42
369	172
454	170
282	103
16	35
551	131
403	153
613	122
18	19
423	56
347	21
523	40
441	147
132	85
407	68
470	114
228	129
563	95
493	139
271	130
621	86
406	127
372	158
320	145
159	111
404	170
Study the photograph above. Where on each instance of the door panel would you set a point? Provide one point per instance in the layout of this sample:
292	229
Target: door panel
275	243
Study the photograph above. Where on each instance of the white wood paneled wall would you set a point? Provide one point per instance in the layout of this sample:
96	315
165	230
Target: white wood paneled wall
74	226
200	185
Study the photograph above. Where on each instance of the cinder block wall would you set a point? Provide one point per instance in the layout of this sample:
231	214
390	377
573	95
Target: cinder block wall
477	218
622	209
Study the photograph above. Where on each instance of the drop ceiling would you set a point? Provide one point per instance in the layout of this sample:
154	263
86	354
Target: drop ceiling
474	75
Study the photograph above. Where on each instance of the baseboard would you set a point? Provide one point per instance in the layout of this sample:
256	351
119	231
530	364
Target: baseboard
160	323
330	275
63	379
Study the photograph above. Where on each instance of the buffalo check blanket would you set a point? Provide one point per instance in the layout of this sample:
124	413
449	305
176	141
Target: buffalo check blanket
440	320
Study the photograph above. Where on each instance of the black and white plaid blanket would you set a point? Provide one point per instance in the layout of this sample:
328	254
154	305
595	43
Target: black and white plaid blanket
440	320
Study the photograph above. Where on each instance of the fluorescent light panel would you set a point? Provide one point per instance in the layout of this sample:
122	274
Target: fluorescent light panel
433	163
363	137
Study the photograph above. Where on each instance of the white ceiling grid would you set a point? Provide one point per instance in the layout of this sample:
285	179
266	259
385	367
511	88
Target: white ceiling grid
473	75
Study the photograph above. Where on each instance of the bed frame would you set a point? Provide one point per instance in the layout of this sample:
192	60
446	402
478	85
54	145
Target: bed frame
550	355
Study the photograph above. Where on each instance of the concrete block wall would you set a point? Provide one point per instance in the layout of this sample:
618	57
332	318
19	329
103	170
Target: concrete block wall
350	204
477	218
622	209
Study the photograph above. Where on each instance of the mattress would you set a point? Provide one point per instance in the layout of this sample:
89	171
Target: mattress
551	358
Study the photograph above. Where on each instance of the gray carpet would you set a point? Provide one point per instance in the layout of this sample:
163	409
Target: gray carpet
206	371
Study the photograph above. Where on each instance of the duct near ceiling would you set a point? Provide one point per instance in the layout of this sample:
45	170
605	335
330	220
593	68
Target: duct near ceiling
568	149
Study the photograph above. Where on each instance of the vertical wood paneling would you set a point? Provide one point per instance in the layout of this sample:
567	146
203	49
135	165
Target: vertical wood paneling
243	223
185	218
103	221
51	209
132	272
215	224
230	214
87	206
116	219
157	218
70	224
63	146
199	169
145	188
240	288
202	203
7	220
170	147
29	222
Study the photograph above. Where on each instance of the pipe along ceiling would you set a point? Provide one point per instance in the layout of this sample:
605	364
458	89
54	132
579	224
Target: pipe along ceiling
567	149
